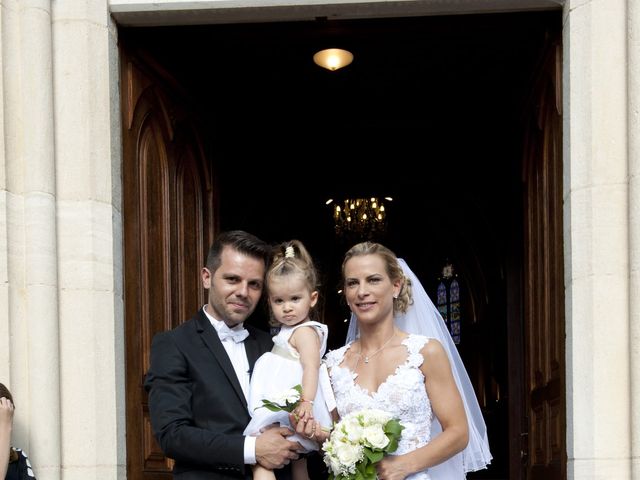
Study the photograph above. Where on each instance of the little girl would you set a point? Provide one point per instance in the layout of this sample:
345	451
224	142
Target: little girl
295	359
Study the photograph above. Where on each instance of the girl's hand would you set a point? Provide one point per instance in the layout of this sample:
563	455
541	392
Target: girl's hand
304	411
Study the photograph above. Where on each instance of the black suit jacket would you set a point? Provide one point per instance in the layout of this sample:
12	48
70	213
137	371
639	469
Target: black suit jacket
197	408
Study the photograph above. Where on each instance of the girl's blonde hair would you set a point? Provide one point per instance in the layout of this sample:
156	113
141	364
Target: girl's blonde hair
293	258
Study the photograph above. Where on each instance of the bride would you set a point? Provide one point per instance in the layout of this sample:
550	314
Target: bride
400	358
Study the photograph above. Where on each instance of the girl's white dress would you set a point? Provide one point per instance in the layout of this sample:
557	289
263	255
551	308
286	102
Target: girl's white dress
279	370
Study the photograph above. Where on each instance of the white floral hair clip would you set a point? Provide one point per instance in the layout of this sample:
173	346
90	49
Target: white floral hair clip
289	253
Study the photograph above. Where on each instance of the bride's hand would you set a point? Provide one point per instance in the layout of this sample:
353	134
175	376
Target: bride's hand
310	429
393	467
322	433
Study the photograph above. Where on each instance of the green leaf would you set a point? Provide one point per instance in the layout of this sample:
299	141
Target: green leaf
371	471
393	445
393	427
373	456
271	406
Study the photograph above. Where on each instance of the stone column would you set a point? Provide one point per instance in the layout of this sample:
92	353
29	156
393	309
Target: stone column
40	256
597	239
14	325
7	65
88	158
633	119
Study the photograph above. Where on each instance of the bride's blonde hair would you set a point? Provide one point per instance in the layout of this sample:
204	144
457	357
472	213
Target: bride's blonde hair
393	268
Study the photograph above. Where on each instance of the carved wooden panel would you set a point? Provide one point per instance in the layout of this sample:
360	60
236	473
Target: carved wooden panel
544	446
153	194
168	226
190	229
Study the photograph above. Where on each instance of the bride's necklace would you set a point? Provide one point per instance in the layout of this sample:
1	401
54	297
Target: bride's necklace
371	355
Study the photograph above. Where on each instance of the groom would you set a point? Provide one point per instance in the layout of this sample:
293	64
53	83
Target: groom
198	377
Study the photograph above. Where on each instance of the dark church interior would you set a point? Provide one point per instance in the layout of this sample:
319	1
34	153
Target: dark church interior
429	113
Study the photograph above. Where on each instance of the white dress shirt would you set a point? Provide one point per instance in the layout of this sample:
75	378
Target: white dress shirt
238	356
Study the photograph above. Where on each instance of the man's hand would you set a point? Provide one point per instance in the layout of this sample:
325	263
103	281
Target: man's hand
273	450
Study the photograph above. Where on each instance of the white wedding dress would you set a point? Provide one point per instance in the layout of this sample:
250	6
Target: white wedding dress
402	394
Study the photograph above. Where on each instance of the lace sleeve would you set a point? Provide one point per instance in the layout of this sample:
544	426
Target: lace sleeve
334	357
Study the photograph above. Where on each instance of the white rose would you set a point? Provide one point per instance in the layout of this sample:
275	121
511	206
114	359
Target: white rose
335	466
348	454
339	436
375	437
288	396
375	417
292	396
353	430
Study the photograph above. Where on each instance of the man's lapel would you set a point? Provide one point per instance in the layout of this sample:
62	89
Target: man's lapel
211	340
253	350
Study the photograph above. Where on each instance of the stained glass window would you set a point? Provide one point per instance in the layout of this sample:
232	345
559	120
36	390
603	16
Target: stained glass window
448	302
454	310
443	303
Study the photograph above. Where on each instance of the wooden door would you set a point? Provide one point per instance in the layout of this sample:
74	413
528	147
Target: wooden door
168	216
544	444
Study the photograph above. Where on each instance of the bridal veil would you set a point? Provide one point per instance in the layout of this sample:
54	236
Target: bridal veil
423	318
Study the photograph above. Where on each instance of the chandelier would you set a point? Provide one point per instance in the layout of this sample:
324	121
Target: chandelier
360	217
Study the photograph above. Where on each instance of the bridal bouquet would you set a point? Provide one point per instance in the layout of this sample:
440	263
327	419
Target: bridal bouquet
286	401
358	442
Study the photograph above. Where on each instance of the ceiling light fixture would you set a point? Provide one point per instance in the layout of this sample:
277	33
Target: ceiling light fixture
333	58
362	217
